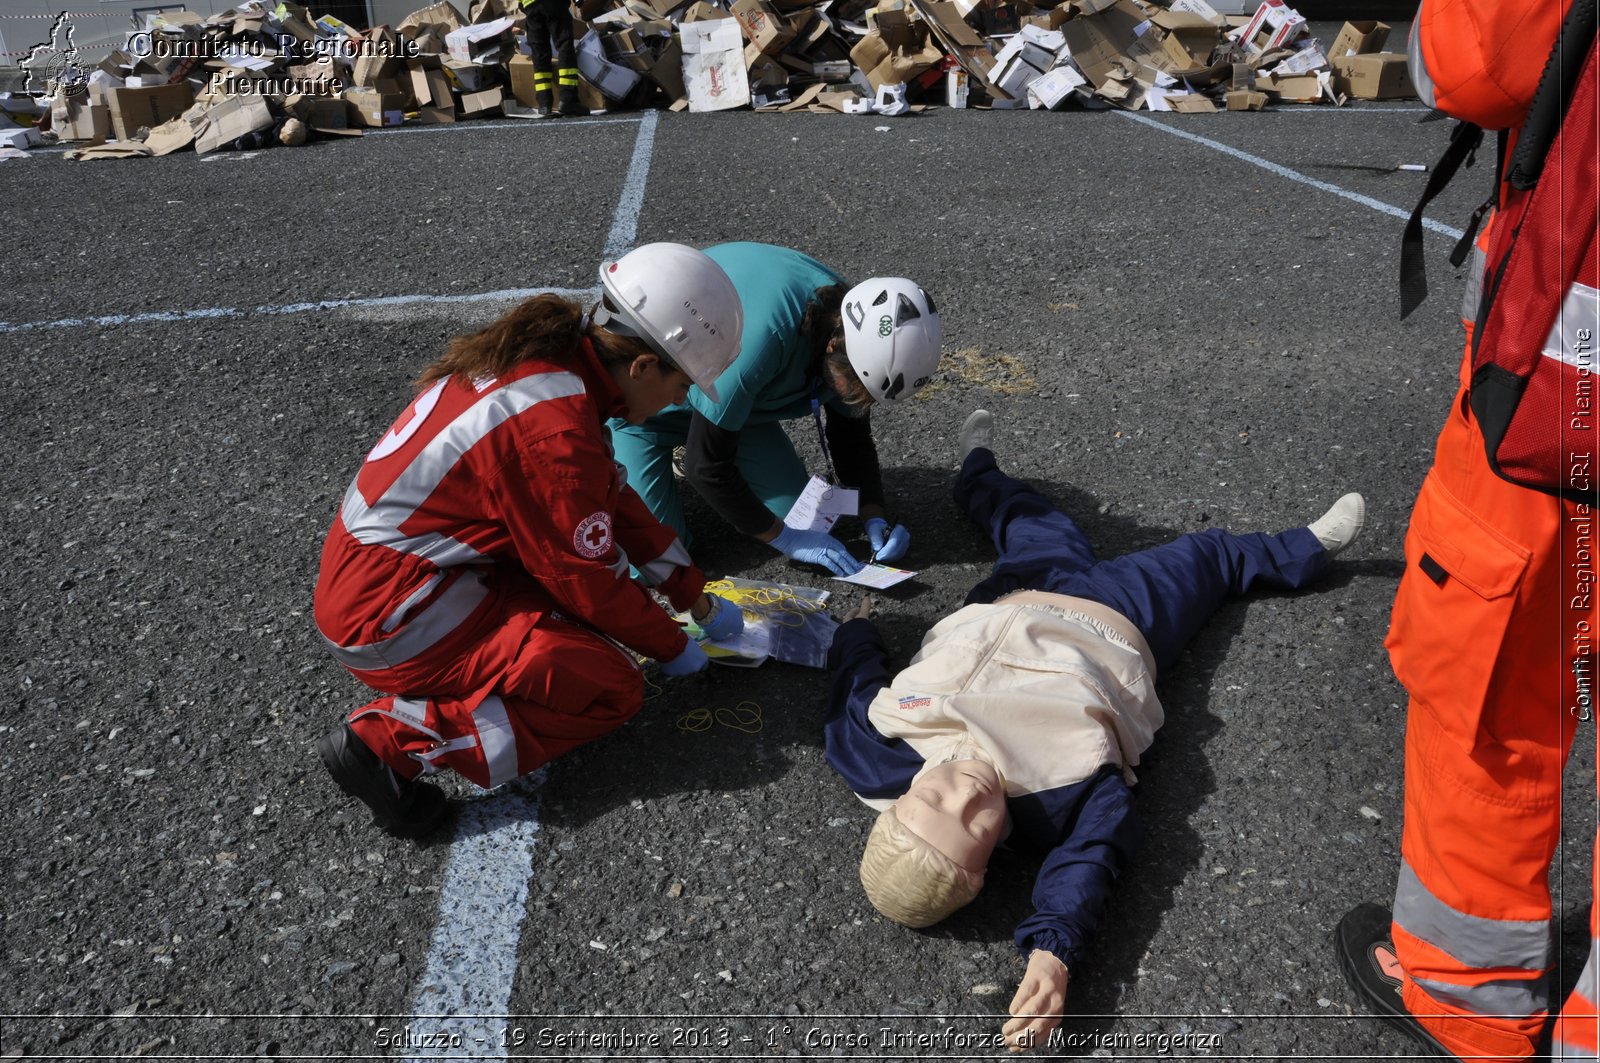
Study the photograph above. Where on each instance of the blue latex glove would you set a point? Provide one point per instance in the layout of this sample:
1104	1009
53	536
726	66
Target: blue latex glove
816	548
887	545
725	620
690	661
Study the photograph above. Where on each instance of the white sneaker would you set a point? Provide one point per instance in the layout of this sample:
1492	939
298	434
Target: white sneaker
1339	527
977	431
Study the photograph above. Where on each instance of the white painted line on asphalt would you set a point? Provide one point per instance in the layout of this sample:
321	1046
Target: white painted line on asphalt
1293	175
624	229
472	960
472	957
625	223
114	320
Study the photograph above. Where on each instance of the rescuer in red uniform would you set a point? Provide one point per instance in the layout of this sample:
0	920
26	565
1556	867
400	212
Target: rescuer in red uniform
480	571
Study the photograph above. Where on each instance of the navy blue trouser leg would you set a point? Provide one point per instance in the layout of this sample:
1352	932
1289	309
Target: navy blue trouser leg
1168	591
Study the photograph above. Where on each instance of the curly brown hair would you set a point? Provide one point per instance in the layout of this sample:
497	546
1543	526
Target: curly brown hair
823	327
547	327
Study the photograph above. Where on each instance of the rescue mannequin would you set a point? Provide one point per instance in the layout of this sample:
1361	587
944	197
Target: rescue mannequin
809	344
963	747
478	571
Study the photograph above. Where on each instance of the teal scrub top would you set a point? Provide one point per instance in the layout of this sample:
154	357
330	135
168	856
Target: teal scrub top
767	381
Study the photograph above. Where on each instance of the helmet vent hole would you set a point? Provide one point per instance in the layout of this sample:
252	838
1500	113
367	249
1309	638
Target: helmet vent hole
905	310
883	297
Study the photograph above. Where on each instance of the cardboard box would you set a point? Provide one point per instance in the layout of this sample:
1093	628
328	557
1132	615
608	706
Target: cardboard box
229	120
944	20
485	42
74	117
1013	76
767	75
1304	61
1051	89
328	115
1100	40
1245	100
957	87
714	77
1379	76
1293	88
895	50
21	138
762	25
468	77
614	80
1359	38
668	71
477	104
375	109
379	57
1273	25
1041	59
133	109
521	71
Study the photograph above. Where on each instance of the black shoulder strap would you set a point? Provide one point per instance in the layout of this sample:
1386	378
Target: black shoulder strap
1464	141
1550	101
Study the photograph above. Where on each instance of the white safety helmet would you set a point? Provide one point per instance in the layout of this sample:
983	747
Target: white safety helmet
681	303
891	336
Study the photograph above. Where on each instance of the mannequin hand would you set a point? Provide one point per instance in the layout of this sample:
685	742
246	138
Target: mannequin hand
722	619
1041	994
887	545
690	661
862	611
816	548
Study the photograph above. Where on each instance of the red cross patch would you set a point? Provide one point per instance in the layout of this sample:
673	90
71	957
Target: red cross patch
593	536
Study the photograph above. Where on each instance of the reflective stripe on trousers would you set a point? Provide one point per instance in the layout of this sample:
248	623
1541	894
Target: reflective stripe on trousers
1477	943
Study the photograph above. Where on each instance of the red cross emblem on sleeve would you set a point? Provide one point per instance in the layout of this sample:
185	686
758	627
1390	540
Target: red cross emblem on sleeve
593	535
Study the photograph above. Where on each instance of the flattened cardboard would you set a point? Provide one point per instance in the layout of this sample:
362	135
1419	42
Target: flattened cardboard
170	136
1245	100
443	14
945	22
135	108
477	104
229	120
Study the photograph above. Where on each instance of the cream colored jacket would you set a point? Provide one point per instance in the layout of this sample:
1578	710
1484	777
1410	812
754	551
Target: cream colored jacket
1046	687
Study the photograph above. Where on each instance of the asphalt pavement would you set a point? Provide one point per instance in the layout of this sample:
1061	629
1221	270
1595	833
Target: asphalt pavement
1180	322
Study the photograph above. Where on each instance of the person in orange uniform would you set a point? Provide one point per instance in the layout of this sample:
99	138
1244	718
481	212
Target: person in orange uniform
1493	638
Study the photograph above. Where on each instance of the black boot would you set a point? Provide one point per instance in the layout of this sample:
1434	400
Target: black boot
404	808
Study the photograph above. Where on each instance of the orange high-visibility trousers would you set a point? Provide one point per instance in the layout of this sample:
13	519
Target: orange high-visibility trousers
1493	637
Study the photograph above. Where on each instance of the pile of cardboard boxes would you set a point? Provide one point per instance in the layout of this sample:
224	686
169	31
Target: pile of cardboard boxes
254	74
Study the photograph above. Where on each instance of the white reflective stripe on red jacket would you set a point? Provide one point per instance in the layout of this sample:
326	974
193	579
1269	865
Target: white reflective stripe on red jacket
435	623
1572	335
378	522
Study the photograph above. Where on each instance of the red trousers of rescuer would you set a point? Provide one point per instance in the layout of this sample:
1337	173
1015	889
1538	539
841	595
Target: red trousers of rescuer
1493	636
525	687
